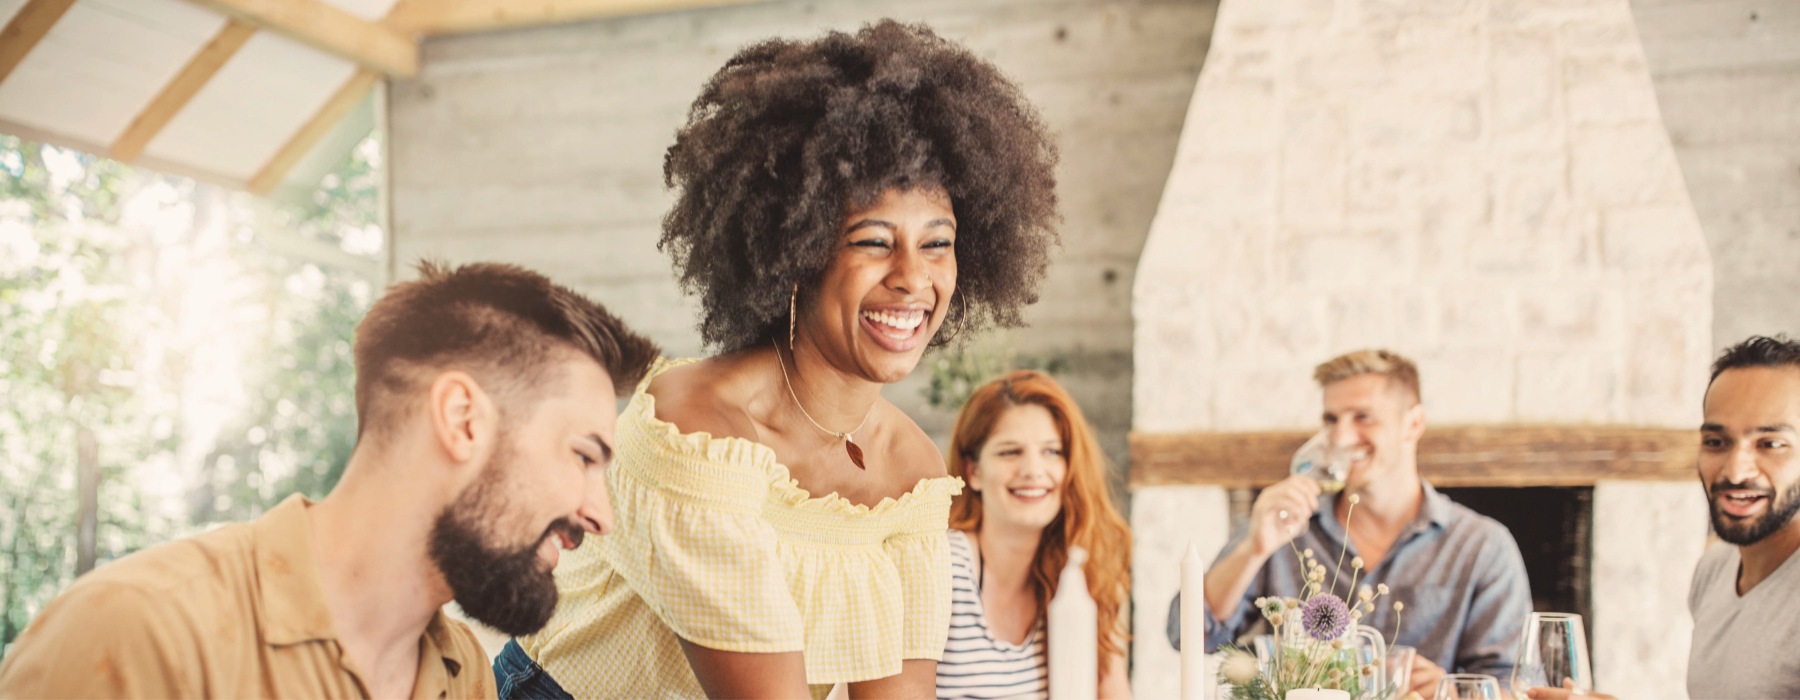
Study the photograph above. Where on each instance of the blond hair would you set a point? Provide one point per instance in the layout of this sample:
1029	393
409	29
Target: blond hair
1399	371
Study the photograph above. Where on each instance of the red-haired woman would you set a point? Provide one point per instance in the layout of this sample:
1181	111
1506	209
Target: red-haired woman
1037	485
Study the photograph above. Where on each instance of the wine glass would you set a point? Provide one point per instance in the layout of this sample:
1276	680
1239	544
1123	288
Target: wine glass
1467	686
1266	652
1399	667
1553	649
1324	462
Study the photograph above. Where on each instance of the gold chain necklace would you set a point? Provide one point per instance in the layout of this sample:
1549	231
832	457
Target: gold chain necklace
856	453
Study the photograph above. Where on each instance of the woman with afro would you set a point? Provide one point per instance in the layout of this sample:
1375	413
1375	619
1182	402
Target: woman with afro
843	204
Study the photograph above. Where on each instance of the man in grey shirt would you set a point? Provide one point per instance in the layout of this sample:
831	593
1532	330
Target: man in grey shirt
1458	572
1746	623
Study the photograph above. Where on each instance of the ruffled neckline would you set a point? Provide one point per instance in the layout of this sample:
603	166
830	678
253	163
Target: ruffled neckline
730	448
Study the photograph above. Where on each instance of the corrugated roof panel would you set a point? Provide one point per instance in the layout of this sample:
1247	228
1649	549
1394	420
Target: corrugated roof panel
102	63
255	103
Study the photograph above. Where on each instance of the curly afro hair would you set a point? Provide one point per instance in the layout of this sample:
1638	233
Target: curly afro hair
790	136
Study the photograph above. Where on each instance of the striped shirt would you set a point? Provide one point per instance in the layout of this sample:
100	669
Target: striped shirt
976	665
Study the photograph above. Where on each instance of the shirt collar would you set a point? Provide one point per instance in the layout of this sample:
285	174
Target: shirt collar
1434	511
434	679
293	597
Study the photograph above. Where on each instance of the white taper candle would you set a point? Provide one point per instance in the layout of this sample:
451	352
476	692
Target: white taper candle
1074	635
1193	625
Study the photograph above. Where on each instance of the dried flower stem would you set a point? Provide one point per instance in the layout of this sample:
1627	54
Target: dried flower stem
1348	513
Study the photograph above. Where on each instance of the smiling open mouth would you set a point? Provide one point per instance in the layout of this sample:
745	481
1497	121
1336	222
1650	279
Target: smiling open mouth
896	324
1740	503
1029	494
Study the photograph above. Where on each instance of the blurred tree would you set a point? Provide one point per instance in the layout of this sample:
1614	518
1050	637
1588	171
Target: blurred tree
97	349
65	366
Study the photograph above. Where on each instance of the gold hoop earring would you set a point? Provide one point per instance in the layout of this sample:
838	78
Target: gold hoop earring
962	321
793	313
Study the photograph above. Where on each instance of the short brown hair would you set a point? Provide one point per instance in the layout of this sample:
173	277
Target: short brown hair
503	324
1399	371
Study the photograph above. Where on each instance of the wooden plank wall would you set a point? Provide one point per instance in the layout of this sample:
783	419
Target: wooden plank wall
544	147
1727	79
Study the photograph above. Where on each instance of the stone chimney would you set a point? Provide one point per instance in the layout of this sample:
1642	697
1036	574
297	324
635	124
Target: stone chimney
1485	186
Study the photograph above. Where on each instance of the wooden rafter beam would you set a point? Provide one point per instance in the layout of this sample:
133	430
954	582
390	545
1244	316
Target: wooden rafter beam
179	91
323	26
26	29
321	123
437	17
1485	456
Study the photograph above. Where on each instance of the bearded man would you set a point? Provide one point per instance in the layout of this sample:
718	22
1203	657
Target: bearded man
1746	626
485	400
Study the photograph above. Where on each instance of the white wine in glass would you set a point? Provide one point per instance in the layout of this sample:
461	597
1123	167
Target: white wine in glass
1324	462
1553	650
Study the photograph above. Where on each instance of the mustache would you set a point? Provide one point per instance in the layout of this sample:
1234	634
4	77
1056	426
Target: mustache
569	527
1718	486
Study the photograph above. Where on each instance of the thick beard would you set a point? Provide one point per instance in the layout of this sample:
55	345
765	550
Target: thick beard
505	588
1781	512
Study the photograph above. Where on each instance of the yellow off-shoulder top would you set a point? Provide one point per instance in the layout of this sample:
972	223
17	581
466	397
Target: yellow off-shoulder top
716	544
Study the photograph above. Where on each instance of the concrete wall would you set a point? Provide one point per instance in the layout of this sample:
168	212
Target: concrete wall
1727	75
544	147
1485	186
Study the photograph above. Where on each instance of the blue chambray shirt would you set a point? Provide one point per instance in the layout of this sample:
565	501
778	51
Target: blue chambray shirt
1459	573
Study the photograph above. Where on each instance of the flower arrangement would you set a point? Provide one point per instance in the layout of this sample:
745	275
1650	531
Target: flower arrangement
1316	637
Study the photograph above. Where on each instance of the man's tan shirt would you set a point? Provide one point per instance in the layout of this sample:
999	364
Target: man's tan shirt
234	613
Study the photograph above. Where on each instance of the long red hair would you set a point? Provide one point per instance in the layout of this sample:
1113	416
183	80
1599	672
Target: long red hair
1088	518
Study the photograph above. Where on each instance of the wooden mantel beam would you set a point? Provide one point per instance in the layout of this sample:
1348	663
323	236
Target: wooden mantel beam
438	17
318	24
26	29
1490	456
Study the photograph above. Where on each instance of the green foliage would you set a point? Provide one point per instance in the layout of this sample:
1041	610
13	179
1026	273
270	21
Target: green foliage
97	347
960	369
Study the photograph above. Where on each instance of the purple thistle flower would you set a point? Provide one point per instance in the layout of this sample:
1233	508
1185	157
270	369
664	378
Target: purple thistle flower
1325	616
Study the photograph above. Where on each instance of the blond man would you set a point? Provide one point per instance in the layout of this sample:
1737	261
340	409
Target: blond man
1459	573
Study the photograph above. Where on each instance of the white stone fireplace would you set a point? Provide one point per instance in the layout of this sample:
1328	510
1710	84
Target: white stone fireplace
1482	185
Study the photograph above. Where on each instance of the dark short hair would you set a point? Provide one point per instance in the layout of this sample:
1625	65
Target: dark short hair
790	136
1758	351
503	324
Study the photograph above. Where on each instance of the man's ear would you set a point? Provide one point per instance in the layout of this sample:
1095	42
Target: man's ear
1415	422
462	416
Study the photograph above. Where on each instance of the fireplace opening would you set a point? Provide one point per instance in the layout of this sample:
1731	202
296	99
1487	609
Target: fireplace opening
1553	527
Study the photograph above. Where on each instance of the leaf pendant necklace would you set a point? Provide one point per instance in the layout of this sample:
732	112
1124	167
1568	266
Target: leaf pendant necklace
850	447
855	452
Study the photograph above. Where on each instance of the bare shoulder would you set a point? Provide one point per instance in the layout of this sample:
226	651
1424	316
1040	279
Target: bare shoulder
701	397
913	449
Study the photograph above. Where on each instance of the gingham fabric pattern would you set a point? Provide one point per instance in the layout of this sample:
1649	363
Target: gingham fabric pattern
716	544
